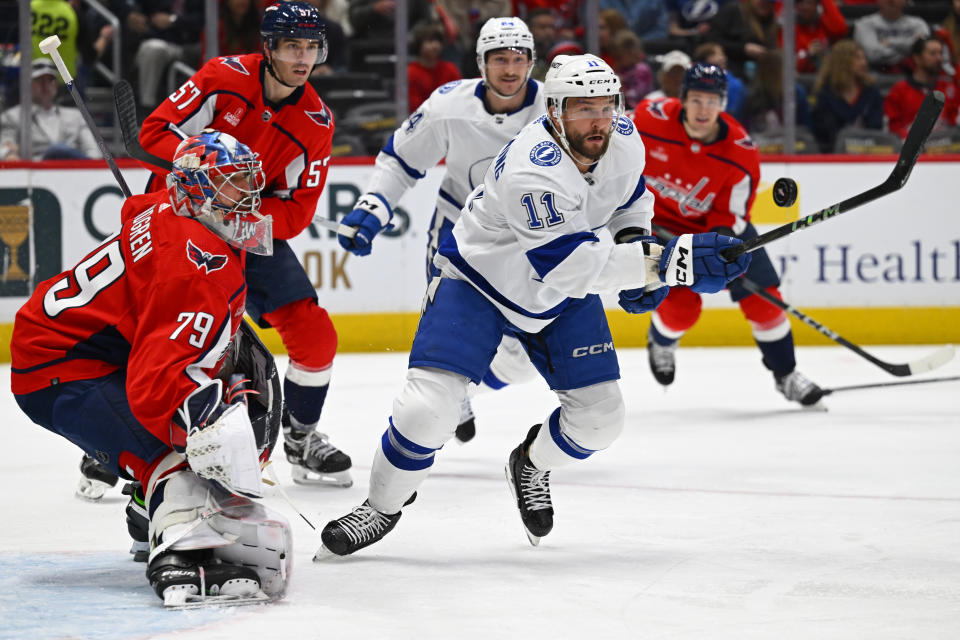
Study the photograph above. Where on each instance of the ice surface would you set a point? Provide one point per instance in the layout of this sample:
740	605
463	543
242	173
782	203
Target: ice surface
722	512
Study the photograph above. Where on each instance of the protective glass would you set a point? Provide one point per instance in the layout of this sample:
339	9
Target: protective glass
299	50
581	110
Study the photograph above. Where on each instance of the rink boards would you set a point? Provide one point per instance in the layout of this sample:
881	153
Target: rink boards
888	272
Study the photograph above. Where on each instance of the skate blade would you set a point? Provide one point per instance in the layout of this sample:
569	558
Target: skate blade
325	555
534	540
91	490
816	406
178	599
305	476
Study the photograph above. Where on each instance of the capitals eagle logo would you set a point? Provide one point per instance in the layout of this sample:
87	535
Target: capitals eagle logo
203	259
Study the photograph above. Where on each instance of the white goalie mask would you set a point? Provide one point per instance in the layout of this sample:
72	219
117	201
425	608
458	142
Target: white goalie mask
504	33
583	76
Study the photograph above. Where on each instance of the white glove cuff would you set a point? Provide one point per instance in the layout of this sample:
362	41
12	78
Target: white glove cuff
375	205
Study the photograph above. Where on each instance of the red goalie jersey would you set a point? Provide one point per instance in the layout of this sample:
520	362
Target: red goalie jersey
161	299
698	186
293	138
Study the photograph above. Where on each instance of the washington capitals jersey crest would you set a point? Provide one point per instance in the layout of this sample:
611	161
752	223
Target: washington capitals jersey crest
293	138
204	260
698	186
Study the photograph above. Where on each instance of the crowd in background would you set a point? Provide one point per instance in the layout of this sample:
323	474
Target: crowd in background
862	67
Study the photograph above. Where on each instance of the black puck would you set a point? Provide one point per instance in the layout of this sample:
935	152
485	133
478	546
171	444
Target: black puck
784	192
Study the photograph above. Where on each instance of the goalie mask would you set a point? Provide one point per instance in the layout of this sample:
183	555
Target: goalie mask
217	180
504	33
584	76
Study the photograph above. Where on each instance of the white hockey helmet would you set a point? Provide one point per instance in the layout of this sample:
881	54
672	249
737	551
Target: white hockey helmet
583	76
504	33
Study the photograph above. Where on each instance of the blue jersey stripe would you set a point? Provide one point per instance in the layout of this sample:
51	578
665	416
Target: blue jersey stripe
390	151
547	257
639	191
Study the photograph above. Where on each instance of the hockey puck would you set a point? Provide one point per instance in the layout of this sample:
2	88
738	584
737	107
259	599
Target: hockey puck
784	192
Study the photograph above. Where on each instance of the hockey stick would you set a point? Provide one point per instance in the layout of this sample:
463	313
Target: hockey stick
124	101
912	146
937	359
126	105
857	387
49	46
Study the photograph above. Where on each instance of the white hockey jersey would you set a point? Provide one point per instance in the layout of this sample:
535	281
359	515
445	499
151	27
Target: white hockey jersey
527	238
453	124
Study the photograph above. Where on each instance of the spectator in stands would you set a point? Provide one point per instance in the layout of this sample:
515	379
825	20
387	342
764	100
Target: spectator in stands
543	26
636	77
646	18
238	30
172	35
746	30
903	101
427	71
673	66
949	34
56	132
610	24
814	31
689	20
886	36
763	108
712	53
568	15
461	23
55	17
374	19
94	38
845	95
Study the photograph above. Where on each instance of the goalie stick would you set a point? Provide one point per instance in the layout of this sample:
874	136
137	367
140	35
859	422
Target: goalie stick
858	387
50	47
937	359
912	146
126	105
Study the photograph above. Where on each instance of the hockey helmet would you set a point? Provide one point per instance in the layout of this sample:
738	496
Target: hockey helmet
217	180
504	33
294	19
705	77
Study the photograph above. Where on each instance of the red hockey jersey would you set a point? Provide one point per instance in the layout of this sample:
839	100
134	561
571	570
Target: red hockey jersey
698	186
293	138
163	298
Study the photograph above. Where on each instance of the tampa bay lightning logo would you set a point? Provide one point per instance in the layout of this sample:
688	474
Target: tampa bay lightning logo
447	88
624	126
545	154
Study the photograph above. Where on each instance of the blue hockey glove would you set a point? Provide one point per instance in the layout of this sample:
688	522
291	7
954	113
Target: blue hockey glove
649	297
370	215
693	260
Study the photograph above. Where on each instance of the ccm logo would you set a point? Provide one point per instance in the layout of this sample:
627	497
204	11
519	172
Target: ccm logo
682	265
592	350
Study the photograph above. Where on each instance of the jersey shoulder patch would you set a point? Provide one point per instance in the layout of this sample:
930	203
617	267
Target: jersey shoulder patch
320	117
545	154
233	62
205	260
624	126
746	142
450	86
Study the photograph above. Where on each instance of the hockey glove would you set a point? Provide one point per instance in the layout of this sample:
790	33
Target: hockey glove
648	297
370	215
221	445
693	260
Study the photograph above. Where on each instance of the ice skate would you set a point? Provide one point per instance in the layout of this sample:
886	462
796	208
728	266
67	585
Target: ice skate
358	529
95	479
467	427
315	461
138	521
662	362
798	388
531	490
188	579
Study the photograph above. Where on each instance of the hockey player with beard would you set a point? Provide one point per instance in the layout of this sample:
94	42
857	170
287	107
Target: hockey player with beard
525	259
130	356
264	100
465	123
704	168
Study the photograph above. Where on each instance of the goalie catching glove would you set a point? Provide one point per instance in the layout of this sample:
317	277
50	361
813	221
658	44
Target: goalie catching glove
221	445
370	215
694	260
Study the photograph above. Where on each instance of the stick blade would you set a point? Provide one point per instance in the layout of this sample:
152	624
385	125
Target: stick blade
126	105
920	130
935	360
